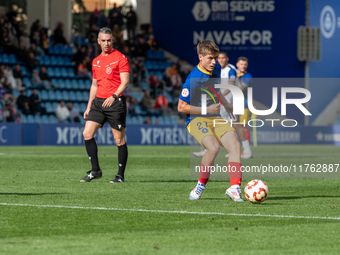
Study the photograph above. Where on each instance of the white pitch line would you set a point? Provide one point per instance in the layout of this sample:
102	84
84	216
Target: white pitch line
174	212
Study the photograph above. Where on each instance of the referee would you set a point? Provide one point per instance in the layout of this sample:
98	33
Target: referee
107	103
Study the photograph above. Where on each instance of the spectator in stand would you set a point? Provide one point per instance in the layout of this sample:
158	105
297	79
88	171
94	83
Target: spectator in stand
17	73
35	102
10	112
146	103
58	34
79	56
23	102
92	34
45	78
38	82
32	62
141	49
83	68
36	26
111	16
162	104
36	43
44	43
117	34
116	16
147	120
93	18
9	97
131	23
89	53
2	23
150	39
12	33
130	104
25	40
10	78
176	83
154	82
62	113
102	21
5	42
22	53
74	113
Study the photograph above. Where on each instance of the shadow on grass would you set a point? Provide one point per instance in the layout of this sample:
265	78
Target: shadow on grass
29	194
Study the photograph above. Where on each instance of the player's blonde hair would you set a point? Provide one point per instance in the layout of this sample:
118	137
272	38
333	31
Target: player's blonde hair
206	47
242	59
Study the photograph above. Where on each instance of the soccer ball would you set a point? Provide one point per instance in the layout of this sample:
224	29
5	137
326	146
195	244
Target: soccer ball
256	191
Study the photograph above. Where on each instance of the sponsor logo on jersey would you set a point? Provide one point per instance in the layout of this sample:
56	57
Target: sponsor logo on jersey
108	70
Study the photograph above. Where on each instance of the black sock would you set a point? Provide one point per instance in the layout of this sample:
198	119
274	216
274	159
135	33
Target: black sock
122	158
92	151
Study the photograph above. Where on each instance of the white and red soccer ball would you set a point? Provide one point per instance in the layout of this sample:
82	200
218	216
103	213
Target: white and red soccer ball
256	191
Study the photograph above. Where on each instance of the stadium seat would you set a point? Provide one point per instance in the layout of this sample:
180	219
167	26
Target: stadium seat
65	95
37	119
69	50
70	72
128	120
85	95
5	58
161	120
56	50
88	84
167	120
83	107
49	107
63	72
134	120
60	61
54	61
54	106
173	120
50	71
75	85
81	84
44	95
51	95
24	71
52	119
62	50
72	95
30	119
23	119
68	84
44	119
79	96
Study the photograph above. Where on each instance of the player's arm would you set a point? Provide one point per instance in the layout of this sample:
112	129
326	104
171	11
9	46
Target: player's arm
227	91
124	78
184	107
227	106
93	92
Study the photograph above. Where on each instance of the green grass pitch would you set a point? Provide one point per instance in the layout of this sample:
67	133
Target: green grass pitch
44	209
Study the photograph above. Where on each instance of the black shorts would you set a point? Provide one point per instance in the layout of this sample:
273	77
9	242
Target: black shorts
115	114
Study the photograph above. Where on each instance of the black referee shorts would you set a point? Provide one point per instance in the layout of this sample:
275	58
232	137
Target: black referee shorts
115	114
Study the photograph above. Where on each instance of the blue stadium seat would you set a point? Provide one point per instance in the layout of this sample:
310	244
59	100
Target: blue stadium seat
67	61
173	120
134	120
49	107
44	95
50	71
37	119
5	58
138	96
65	95
88	84
79	96
64	72
128	120
62	50
23	119
15	93
50	49
75	85
61	84
83	107
54	82
30	119
56	50
70	72
166	120
69	50
68	84
53	60
52	119
161	120
85	95
76	106
140	119
58	95
81	84
41	60
72	95
54	106
24	71
44	119
51	95
60	61
29	92
57	72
